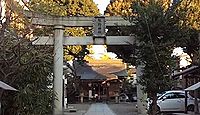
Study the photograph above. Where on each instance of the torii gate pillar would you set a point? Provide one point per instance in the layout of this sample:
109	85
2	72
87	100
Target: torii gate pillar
141	96
58	69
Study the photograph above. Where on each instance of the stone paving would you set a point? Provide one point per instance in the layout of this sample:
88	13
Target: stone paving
126	108
110	109
81	108
103	109
99	109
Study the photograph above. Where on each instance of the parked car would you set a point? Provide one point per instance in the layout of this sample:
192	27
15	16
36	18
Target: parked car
123	97
174	101
160	94
132	97
149	100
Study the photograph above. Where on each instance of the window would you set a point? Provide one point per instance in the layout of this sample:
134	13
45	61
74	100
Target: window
170	96
180	95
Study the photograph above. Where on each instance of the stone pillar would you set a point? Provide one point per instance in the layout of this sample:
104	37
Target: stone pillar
141	96
90	95
117	97
58	69
65	93
82	95
107	93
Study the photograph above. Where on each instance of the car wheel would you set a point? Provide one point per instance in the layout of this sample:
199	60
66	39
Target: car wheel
190	108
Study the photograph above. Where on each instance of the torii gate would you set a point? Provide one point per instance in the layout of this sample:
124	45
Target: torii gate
99	38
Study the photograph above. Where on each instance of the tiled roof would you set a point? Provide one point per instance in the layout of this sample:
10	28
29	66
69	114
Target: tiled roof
99	69
121	73
87	73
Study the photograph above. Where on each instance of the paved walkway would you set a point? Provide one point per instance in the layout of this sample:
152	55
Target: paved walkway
99	109
189	113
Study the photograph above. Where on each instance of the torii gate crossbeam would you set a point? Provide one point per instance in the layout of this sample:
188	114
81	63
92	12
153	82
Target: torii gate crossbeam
110	40
71	21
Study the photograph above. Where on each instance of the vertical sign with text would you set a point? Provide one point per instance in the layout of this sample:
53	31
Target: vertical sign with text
99	26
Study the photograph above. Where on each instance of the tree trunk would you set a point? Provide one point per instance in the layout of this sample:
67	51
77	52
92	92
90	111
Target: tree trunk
154	104
8	11
1	95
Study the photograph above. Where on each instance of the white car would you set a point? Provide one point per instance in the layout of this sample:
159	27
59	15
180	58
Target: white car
174	100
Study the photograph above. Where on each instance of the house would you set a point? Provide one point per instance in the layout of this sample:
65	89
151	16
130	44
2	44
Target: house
188	76
191	82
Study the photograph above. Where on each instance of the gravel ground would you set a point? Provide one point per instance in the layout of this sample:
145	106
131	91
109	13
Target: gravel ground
123	108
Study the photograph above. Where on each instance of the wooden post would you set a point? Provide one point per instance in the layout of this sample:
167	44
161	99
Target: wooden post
196	107
186	80
99	91
58	69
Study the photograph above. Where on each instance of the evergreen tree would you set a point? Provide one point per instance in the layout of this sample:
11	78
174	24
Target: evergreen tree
158	32
28	69
119	8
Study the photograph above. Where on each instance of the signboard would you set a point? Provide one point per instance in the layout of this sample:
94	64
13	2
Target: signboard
99	27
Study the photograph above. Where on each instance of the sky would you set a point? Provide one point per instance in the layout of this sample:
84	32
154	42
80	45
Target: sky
102	4
185	59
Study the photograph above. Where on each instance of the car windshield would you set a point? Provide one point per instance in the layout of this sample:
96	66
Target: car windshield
171	95
159	94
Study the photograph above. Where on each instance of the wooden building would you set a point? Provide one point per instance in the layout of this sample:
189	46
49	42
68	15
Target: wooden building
97	79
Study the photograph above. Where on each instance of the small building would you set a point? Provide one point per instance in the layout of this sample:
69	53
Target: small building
97	80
